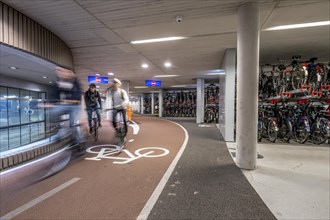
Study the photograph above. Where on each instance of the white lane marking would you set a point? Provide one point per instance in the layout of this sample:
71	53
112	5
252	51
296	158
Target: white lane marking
106	153
135	126
153	198
34	161
39	199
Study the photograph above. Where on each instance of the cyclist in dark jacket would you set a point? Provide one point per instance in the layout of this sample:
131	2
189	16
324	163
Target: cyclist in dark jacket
93	103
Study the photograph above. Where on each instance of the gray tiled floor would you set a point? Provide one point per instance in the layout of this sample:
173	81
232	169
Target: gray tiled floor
292	179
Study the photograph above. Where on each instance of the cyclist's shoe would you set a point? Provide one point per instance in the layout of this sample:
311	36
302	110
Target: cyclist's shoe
90	130
100	125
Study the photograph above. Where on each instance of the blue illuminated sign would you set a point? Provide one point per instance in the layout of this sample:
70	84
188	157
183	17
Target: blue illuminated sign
153	83
98	79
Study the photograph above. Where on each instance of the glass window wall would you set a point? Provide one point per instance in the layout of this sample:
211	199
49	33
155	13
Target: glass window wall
21	119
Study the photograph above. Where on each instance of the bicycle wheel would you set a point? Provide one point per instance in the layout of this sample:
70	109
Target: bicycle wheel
286	130
319	133
271	131
95	129
260	129
301	133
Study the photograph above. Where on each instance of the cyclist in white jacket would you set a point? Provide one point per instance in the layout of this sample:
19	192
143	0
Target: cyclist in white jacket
119	102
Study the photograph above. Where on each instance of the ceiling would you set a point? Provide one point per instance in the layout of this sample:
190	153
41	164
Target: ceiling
99	32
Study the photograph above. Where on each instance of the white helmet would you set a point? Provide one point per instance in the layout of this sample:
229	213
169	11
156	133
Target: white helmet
115	80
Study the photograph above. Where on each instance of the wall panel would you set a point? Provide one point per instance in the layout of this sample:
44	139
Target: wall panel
1	22
21	32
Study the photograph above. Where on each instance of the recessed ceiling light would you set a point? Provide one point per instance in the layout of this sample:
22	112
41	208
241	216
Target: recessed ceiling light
163	76
97	86
45	77
167	64
144	65
14	68
50	82
157	40
291	26
140	87
97	74
110	74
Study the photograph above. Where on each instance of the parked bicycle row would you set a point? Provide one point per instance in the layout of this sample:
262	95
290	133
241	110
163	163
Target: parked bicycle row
180	103
300	121
275	79
211	110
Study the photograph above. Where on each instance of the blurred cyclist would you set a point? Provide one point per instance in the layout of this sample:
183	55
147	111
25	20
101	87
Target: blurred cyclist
69	95
93	103
119	102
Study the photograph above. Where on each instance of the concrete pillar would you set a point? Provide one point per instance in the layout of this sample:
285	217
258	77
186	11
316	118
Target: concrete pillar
152	103
227	90
141	105
160	102
247	85
200	101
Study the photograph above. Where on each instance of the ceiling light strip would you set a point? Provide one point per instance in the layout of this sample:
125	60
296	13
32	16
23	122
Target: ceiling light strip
157	40
164	76
291	26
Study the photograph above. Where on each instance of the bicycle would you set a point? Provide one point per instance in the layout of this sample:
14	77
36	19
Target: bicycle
120	125
95	126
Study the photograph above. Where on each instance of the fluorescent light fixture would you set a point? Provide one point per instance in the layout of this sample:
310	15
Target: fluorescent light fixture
178	86
13	68
97	74
50	82
167	64
110	74
140	87
45	77
164	76
215	72
97	86
157	40
291	26
144	65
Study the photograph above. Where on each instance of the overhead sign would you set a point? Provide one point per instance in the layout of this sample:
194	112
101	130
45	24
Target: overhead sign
153	83
98	79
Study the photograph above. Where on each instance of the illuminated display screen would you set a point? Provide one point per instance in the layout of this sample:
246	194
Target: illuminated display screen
153	83
98	79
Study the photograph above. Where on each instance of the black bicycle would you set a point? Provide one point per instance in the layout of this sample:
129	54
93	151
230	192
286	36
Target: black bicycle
95	126
120	125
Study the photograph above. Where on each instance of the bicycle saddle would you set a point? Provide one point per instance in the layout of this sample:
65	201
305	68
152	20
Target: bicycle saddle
312	59
281	67
294	57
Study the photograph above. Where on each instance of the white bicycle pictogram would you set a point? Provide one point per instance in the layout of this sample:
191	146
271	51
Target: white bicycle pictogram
107	152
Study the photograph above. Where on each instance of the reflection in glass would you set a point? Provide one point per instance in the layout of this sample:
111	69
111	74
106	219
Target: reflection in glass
25	134
3	140
3	107
13	106
34	132
25	116
14	137
24	94
42	95
34	110
34	95
41	130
